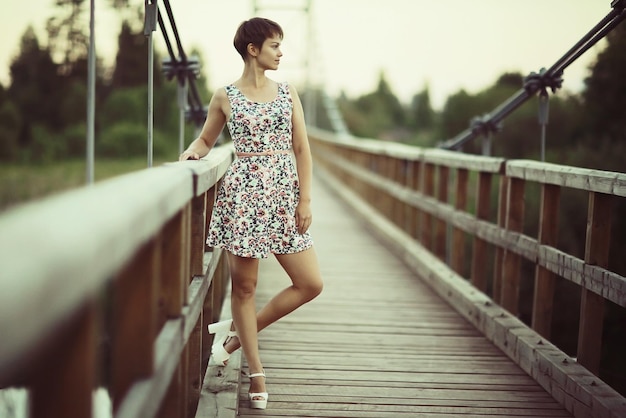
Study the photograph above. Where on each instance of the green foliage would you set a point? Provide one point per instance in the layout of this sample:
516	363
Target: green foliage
122	140
34	76
9	130
202	80
47	145
73	104
74	138
130	140
67	36
605	95
131	65
421	113
375	115
124	105
457	114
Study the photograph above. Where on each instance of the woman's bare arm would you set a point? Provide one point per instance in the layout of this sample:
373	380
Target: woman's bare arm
304	163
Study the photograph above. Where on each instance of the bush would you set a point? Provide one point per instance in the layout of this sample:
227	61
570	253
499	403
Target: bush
75	140
47	146
123	140
124	105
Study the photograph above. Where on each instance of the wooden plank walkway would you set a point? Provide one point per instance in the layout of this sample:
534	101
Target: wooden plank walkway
379	343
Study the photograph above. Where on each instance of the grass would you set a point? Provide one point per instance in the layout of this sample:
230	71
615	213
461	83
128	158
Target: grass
20	183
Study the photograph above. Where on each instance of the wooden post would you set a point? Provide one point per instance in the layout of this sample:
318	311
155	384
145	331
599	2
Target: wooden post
399	206
511	261
592	304
388	173
457	257
187	245
184	400
499	253
173	288
64	386
440	224
478	275
545	279
415	214
361	160
390	169
195	366
135	320
207	339
171	405
372	164
428	188
198	226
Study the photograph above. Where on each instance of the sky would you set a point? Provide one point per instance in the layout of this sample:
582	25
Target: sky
447	45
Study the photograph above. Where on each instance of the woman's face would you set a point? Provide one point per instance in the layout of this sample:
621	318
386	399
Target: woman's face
270	54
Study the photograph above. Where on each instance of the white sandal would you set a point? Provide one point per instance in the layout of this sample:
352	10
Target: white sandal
222	333
258	403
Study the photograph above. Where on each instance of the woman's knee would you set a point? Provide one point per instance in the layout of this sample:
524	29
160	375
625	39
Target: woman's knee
244	275
243	286
313	288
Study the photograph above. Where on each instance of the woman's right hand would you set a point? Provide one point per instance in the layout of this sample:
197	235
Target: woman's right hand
188	155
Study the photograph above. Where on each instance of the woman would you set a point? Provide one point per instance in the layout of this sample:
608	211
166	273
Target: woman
264	203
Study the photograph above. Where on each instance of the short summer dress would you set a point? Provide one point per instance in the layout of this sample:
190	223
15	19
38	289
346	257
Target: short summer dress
254	213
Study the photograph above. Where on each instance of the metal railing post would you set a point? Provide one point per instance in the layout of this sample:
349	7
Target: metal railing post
544	111
182	107
91	96
149	28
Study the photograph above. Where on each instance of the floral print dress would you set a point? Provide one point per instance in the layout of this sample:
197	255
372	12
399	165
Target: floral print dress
254	213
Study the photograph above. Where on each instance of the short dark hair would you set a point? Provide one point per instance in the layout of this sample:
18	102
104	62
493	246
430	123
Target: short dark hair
255	31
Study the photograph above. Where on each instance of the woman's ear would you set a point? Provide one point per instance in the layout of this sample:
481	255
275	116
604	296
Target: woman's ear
252	50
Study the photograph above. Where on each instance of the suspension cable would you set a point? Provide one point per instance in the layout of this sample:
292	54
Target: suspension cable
175	30
185	69
166	38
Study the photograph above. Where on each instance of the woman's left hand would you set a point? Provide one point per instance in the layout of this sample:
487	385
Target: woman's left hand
303	217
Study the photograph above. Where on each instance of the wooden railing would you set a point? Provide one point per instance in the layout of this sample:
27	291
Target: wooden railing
423	198
111	286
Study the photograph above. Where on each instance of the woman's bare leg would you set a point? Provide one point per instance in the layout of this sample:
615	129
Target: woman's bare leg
304	272
306	284
244	275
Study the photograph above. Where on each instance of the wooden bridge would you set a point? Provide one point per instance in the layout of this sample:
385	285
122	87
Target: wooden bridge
112	286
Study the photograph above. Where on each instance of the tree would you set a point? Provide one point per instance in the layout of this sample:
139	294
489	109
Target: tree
381	112
9	127
422	113
390	102
513	80
67	38
131	63
36	89
605	94
456	115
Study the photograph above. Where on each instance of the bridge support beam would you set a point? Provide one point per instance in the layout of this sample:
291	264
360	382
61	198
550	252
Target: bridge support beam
511	261
545	279
592	304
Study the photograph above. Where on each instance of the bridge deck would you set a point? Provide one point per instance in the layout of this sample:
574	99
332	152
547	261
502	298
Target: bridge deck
379	343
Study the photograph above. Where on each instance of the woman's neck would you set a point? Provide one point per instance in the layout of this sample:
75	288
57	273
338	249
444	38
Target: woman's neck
254	77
